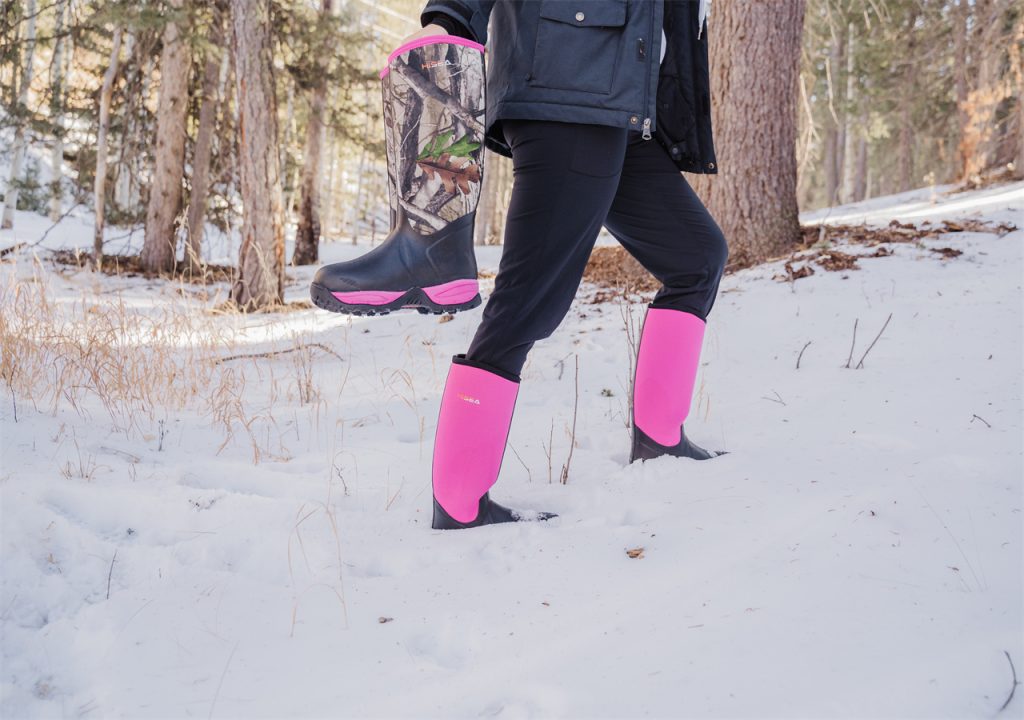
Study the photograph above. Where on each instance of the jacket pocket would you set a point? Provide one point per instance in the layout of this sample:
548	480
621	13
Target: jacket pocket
578	44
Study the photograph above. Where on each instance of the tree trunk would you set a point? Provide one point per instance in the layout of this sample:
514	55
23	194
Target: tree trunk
57	115
361	175
843	119
754	116
960	23
99	188
126	186
159	246
307	235
329	224
18	147
852	130
1020	104
260	282
860	180
285	142
485	205
906	130
833	139
493	200
988	46
204	145
906	147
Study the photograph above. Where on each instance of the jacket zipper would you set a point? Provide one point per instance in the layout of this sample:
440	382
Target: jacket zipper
646	135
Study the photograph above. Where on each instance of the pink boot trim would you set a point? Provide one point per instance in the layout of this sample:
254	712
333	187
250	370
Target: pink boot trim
429	40
369	297
666	371
472	427
455	292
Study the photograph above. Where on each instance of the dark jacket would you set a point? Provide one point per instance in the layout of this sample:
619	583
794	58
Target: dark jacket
593	61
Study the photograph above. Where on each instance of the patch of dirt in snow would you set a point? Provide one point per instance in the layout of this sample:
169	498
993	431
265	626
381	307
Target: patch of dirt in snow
613	268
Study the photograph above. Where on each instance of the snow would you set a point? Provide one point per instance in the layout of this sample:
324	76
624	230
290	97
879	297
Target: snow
858	552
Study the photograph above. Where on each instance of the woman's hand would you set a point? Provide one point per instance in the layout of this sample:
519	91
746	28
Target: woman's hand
431	29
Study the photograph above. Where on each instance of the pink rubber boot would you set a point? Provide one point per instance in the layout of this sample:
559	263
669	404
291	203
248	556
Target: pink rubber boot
666	371
472	428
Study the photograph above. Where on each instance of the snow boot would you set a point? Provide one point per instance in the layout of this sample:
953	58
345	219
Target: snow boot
666	371
472	429
433	92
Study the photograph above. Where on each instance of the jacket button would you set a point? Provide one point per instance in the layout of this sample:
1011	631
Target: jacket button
580	16
633	119
711	166
675	151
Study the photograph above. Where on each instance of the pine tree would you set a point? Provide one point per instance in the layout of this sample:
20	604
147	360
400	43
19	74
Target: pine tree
21	114
307	234
103	125
753	198
260	282
58	73
159	248
203	151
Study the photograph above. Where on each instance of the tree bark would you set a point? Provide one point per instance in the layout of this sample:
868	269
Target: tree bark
159	246
833	139
961	16
260	282
485	205
126	174
754	115
99	188
307	234
204	144
852	130
860	179
57	114
987	52
906	129
18	147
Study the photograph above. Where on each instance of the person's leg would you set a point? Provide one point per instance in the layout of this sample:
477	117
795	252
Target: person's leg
659	219
565	177
661	222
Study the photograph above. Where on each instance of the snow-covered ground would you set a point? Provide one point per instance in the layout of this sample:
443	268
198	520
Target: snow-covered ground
858	553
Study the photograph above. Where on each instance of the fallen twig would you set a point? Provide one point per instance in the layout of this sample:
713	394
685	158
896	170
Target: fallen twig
1016	682
801	354
979	417
110	573
126	455
860	363
529	475
561	366
56	223
273	353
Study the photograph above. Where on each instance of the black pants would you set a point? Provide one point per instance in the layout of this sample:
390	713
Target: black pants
569	179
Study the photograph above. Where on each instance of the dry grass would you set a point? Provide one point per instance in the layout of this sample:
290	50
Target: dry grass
144	364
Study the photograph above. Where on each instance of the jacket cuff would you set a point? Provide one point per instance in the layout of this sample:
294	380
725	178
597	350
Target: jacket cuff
450	24
460	14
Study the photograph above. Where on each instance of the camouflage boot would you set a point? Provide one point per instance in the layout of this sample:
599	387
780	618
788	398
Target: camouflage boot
433	91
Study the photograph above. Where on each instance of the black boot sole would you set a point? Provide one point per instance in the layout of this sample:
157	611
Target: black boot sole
413	299
488	513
